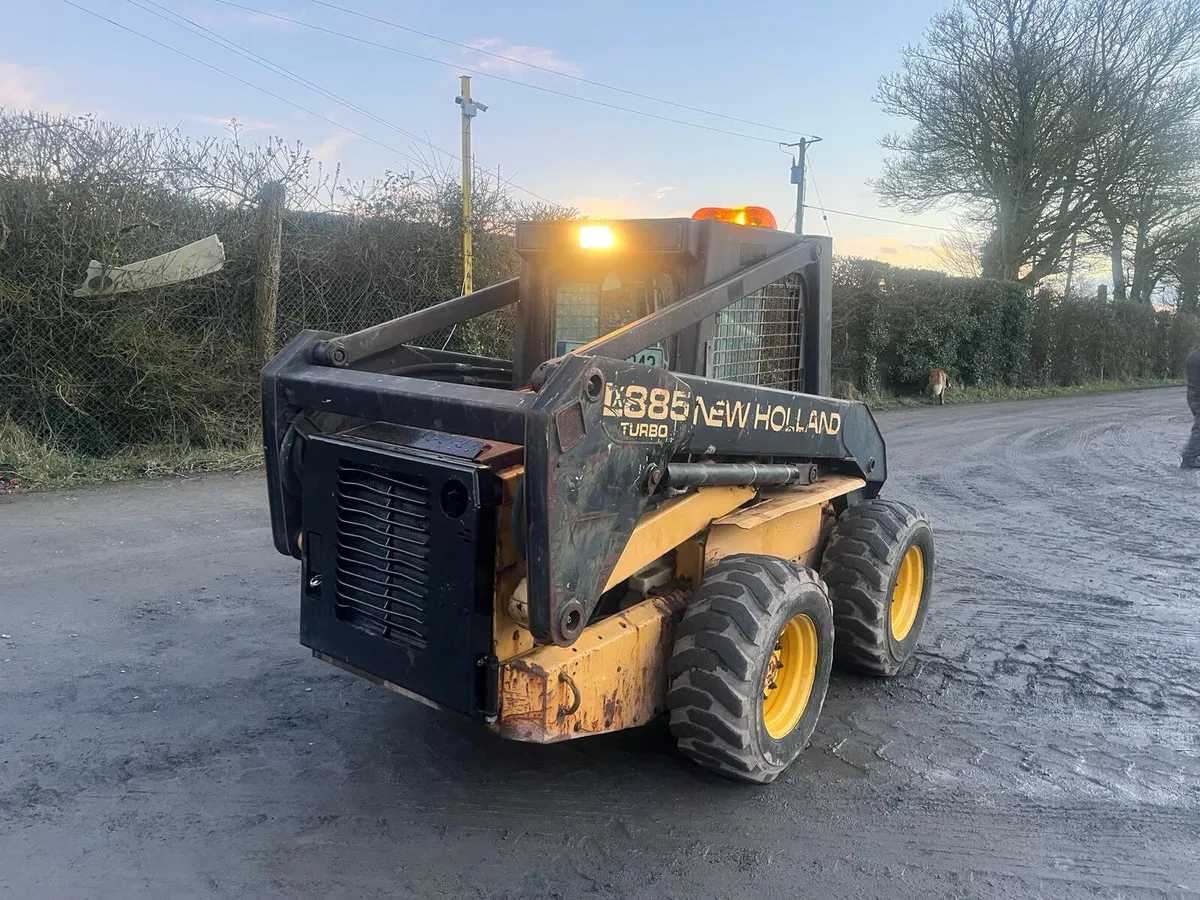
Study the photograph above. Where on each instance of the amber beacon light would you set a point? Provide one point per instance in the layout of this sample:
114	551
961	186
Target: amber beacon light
596	237
758	216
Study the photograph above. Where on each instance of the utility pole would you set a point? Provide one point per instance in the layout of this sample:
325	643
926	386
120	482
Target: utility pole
469	109
798	178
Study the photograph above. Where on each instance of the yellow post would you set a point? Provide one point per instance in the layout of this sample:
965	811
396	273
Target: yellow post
468	112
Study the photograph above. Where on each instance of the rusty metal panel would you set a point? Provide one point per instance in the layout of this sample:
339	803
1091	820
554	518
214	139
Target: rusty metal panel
524	703
613	677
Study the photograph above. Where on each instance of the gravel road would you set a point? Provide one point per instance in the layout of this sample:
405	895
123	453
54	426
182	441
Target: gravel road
163	734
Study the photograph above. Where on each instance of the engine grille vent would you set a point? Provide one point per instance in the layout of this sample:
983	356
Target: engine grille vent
383	552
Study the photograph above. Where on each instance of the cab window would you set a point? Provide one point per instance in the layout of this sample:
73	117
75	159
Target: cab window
591	304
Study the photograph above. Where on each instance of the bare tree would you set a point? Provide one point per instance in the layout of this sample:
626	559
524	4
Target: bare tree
1144	165
1003	119
1055	119
959	251
1183	267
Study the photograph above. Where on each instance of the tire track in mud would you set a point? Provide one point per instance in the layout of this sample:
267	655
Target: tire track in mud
1067	584
163	734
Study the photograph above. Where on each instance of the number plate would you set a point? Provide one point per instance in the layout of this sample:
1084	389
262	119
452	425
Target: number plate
651	356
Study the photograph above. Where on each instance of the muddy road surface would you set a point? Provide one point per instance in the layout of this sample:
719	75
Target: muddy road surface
163	735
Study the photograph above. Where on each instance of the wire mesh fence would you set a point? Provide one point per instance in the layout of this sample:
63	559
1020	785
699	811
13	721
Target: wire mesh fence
178	366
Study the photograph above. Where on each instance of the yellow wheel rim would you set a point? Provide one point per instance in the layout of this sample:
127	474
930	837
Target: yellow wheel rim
906	596
791	671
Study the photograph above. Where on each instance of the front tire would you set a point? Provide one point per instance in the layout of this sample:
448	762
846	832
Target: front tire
750	666
878	566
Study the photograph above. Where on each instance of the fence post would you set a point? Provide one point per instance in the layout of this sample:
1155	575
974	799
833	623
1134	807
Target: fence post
266	275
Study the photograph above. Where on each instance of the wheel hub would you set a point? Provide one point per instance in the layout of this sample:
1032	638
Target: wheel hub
906	596
788	681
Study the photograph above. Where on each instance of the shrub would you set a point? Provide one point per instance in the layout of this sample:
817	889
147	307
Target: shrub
893	325
174	367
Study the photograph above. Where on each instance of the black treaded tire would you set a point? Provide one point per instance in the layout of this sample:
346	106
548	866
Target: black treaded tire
860	566
718	666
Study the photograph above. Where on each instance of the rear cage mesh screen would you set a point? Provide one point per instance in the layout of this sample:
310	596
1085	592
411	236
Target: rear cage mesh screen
757	338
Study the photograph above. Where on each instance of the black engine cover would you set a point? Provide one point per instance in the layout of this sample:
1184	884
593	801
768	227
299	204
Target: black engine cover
398	559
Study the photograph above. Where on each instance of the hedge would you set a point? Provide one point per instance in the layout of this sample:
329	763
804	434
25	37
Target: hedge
174	367
892	326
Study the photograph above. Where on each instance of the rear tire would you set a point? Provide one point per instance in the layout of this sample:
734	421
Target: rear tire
750	666
878	567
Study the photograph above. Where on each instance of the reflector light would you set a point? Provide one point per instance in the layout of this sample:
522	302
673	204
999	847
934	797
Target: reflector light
758	216
595	237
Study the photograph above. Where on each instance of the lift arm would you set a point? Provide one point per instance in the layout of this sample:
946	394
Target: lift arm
600	439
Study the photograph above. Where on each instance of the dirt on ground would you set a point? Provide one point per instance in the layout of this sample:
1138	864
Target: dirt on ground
164	735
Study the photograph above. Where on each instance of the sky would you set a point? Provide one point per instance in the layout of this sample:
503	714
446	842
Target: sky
796	67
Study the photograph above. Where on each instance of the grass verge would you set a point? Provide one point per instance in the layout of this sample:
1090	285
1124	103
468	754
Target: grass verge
1000	394
37	466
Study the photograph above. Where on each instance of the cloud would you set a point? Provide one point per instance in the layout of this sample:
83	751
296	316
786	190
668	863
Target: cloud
17	85
246	125
517	54
662	192
890	249
23	87
331	148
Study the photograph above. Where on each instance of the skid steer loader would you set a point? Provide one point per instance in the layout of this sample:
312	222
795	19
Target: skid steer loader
654	507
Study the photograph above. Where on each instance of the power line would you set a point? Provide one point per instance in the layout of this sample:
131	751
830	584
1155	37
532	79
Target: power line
260	89
225	43
240	50
244	52
813	174
842	212
825	210
525	84
388	147
577	78
239	79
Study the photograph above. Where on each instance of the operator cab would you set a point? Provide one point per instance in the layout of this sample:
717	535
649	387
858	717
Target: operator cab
583	281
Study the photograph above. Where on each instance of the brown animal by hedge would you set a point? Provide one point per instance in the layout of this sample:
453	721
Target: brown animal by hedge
939	382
